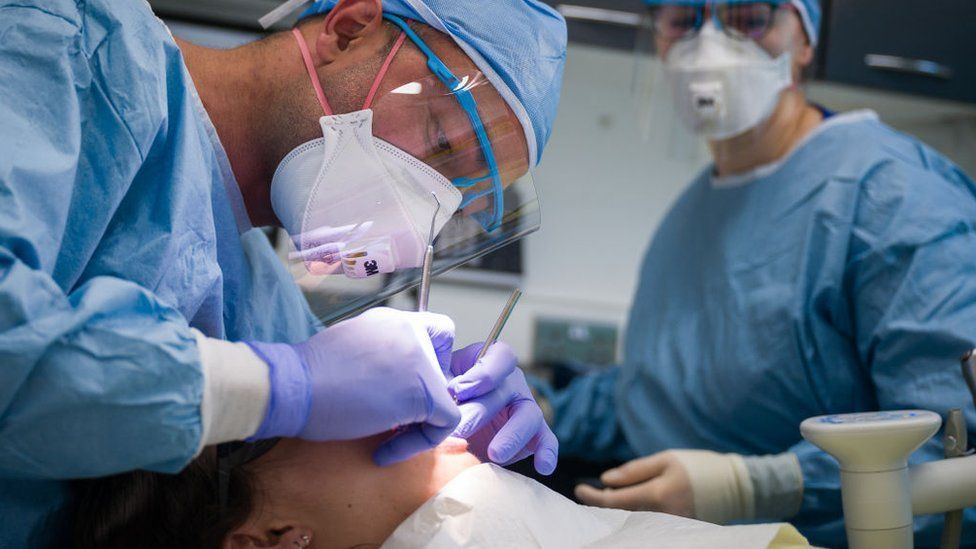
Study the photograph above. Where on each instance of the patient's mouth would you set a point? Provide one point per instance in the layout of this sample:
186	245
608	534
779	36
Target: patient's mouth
453	445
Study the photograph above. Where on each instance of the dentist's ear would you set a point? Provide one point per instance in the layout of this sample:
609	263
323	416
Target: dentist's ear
349	20
803	51
803	55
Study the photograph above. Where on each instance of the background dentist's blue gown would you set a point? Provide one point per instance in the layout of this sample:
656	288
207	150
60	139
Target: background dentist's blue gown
117	234
843	280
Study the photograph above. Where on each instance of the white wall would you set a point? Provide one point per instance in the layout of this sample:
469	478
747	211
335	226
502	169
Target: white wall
603	190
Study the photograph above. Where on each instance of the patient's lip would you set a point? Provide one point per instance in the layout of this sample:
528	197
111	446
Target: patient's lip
454	444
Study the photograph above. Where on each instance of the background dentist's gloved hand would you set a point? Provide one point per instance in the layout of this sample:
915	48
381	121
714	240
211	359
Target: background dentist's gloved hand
382	370
693	483
499	417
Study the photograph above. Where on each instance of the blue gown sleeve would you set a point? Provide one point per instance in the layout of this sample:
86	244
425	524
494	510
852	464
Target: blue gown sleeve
584	417
98	377
911	283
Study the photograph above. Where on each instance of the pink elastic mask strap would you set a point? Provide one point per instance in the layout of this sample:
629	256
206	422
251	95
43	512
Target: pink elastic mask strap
383	69
312	75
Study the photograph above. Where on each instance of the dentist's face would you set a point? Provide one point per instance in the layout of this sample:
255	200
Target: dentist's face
419	114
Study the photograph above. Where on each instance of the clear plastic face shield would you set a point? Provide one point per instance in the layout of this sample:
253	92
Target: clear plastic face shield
711	70
434	152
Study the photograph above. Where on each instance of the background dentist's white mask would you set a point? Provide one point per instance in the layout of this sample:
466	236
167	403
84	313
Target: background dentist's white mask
352	200
724	86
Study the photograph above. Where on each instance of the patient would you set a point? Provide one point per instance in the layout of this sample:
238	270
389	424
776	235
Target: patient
333	493
322	495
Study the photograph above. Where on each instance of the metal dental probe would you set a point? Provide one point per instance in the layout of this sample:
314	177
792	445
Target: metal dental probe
500	323
424	293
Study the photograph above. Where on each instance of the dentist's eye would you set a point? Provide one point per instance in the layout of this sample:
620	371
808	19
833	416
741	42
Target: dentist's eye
443	144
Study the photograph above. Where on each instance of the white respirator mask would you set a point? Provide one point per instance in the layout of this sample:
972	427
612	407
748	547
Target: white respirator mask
724	86
354	200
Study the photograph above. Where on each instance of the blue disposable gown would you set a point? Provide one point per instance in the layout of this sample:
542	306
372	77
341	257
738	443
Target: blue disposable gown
842	280
121	226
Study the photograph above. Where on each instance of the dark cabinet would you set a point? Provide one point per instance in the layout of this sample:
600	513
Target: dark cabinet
238	14
923	47
605	23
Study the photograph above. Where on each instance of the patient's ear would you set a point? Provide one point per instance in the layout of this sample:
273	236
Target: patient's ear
348	21
251	535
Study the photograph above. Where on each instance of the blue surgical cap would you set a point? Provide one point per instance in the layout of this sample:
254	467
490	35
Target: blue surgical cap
809	12
519	45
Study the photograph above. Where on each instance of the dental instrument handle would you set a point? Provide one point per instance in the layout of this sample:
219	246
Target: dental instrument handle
496	330
423	295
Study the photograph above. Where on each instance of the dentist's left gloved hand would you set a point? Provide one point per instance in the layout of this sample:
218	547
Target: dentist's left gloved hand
499	417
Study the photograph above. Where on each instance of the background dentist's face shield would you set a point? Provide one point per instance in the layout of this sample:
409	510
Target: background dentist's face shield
441	128
671	25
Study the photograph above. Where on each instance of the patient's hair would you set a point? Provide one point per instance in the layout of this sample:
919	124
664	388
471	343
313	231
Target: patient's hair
155	510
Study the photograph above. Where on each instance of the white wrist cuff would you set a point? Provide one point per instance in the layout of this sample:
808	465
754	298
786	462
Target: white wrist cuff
236	390
778	484
720	485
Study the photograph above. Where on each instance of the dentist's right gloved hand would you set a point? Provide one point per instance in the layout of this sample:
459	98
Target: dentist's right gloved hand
380	371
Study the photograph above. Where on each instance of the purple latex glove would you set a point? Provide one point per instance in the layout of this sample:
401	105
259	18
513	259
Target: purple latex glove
381	371
499	417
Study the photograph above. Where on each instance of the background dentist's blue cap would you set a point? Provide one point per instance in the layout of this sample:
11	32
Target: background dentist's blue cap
809	11
811	15
519	45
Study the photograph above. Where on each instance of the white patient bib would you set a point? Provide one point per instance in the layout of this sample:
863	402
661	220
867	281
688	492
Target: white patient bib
489	507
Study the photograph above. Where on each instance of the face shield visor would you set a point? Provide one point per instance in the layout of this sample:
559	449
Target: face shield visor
712	70
435	154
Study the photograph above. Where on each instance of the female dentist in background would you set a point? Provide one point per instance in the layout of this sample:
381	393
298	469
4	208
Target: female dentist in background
823	263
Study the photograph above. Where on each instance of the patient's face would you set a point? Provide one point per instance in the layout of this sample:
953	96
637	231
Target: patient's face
335	490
